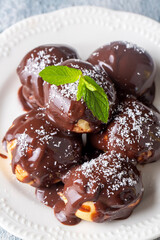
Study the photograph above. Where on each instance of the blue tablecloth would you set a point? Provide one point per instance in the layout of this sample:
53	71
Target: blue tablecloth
11	11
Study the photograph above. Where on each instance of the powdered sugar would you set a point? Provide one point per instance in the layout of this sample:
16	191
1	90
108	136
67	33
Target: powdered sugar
132	126
110	171
23	141
39	59
134	47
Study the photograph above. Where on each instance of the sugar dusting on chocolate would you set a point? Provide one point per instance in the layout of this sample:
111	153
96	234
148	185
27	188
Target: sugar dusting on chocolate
134	124
109	181
101	170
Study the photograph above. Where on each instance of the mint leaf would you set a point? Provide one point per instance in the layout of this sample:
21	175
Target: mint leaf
88	85
94	96
93	83
96	100
98	104
81	89
59	75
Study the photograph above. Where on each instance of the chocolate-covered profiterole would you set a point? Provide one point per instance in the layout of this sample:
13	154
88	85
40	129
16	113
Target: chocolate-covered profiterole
130	67
62	105
40	152
106	188
134	132
35	61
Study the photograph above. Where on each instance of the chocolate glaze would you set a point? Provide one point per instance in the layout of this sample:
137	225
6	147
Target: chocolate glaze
148	96
130	67
42	150
49	196
88	153
25	104
109	181
134	132
35	61
62	106
3	156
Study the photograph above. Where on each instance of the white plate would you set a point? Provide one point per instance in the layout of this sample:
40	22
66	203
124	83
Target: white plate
84	28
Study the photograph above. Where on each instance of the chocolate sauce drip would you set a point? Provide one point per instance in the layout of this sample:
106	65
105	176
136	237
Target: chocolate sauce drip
41	150
129	66
110	182
3	156
65	110
26	106
134	132
35	61
49	196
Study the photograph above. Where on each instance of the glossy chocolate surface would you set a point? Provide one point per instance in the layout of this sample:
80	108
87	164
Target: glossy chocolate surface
148	96
25	104
61	104
134	132
109	181
49	196
130	67
42	150
35	61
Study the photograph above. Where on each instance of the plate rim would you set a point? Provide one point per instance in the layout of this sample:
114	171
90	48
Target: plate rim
27	22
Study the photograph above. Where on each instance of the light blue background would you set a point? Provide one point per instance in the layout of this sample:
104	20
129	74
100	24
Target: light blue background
12	11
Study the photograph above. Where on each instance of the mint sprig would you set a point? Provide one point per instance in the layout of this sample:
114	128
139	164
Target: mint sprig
59	75
93	95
